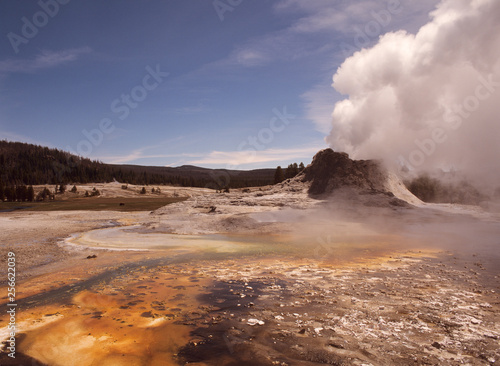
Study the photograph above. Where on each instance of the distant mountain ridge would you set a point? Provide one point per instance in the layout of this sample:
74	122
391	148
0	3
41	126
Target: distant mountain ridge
28	164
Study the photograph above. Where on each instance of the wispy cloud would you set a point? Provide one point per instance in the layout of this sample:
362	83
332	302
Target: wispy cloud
44	60
326	15
328	20
220	159
345	16
316	30
15	137
319	102
342	22
250	57
137	155
145	152
241	159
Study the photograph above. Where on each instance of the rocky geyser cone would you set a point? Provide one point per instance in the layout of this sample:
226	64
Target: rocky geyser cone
331	170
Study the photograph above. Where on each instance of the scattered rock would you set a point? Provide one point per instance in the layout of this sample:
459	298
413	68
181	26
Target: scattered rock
436	345
475	321
491	335
318	330
253	322
336	345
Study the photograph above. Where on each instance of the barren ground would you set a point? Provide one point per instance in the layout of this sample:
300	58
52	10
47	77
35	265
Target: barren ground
269	277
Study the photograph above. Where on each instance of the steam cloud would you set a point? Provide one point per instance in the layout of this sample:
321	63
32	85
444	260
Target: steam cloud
429	100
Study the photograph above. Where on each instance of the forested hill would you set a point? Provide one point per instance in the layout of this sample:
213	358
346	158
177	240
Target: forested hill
27	164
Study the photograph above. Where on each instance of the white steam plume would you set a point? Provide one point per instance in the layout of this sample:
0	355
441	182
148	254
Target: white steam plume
427	100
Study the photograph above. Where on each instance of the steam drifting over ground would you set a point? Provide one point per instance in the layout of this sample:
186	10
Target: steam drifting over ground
428	100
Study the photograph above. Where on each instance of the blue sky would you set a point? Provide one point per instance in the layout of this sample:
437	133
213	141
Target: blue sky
230	84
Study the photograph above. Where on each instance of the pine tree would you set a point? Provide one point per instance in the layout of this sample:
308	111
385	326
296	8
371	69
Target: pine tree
43	194
291	171
278	175
10	194
301	166
31	194
21	193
